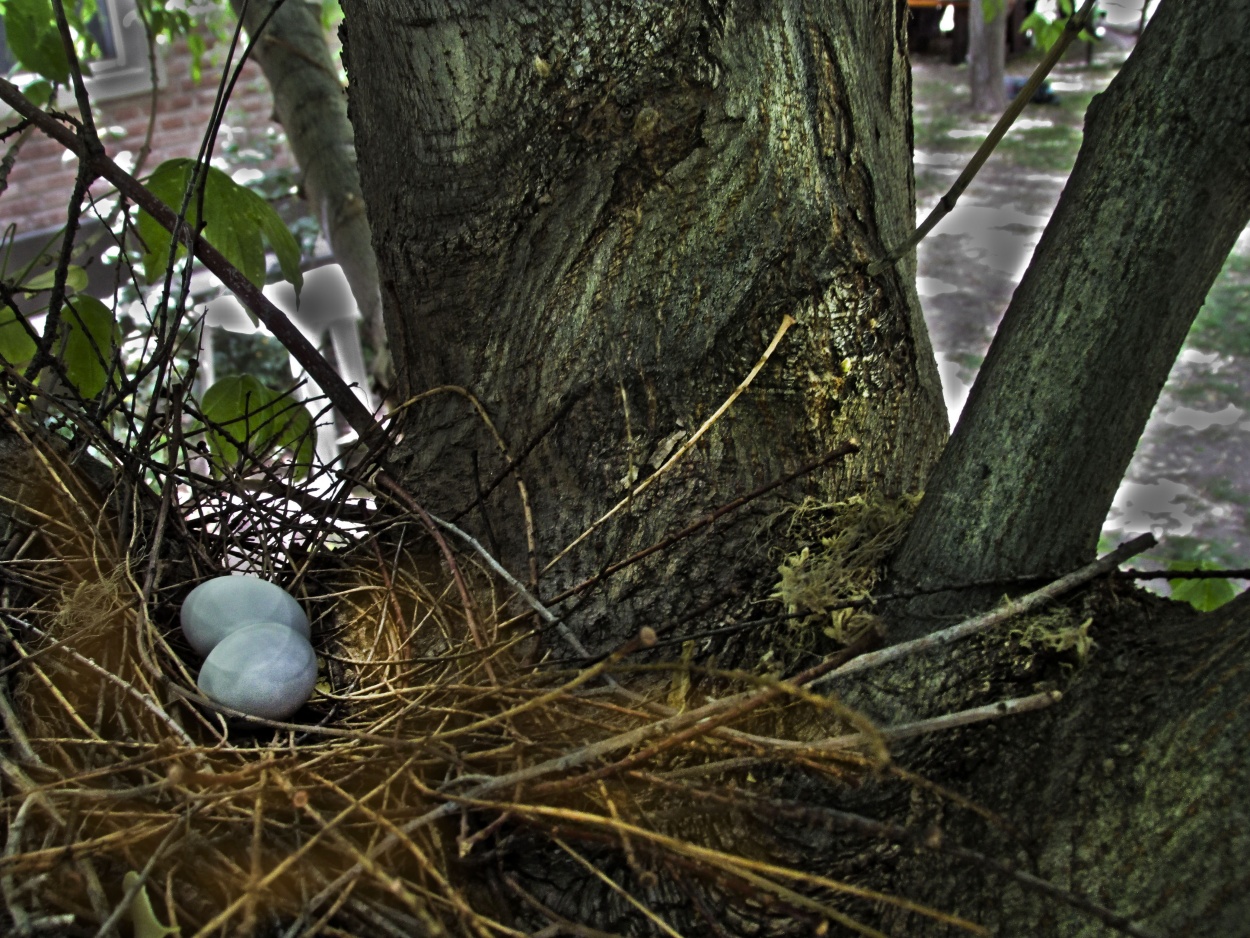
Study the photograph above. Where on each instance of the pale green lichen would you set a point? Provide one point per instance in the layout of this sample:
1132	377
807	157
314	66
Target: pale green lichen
1057	632
854	539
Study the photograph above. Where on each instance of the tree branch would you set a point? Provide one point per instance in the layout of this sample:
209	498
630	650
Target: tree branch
1011	609
99	165
1071	30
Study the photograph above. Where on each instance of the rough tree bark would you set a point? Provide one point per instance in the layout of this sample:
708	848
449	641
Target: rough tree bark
612	206
1159	194
1132	791
310	104
987	54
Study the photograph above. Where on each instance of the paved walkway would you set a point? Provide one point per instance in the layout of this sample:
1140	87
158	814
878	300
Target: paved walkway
1190	479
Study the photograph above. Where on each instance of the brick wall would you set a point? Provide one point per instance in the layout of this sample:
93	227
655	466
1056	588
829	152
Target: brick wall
42	180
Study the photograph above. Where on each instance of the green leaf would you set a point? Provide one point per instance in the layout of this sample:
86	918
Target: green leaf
237	223
991	9
30	28
1045	32
294	431
280	239
245	411
1204	594
79	16
1034	21
38	93
1052	33
238	405
75	281
16	345
331	15
196	46
90	341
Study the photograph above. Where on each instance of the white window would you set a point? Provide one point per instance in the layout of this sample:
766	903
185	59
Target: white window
120	64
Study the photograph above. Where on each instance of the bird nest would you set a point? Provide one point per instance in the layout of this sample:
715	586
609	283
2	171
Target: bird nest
438	755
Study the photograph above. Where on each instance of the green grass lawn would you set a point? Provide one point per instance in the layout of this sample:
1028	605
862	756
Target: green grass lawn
1046	137
1223	325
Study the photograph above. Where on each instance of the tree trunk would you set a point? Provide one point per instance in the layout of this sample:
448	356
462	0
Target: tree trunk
603	213
987	54
310	104
1159	195
1131	791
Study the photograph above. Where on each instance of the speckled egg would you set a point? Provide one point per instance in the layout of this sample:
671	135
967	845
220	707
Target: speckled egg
220	606
266	669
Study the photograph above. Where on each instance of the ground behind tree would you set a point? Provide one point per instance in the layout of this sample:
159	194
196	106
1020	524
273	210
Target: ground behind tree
1190	480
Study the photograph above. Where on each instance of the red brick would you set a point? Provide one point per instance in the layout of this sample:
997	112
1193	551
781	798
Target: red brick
122	113
40	183
30	155
13	205
43	170
175	121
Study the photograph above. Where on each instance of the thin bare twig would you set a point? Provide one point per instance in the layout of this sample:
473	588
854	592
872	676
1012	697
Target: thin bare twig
148	703
850	447
544	613
1241	573
998	615
786	322
947	721
845	449
1071	30
385	481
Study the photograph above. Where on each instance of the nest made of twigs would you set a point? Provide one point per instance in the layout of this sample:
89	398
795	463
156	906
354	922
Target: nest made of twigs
385	805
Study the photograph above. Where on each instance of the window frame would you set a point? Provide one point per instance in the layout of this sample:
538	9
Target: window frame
127	72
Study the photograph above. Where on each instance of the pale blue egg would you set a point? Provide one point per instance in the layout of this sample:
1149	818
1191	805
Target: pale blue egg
224	604
266	670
